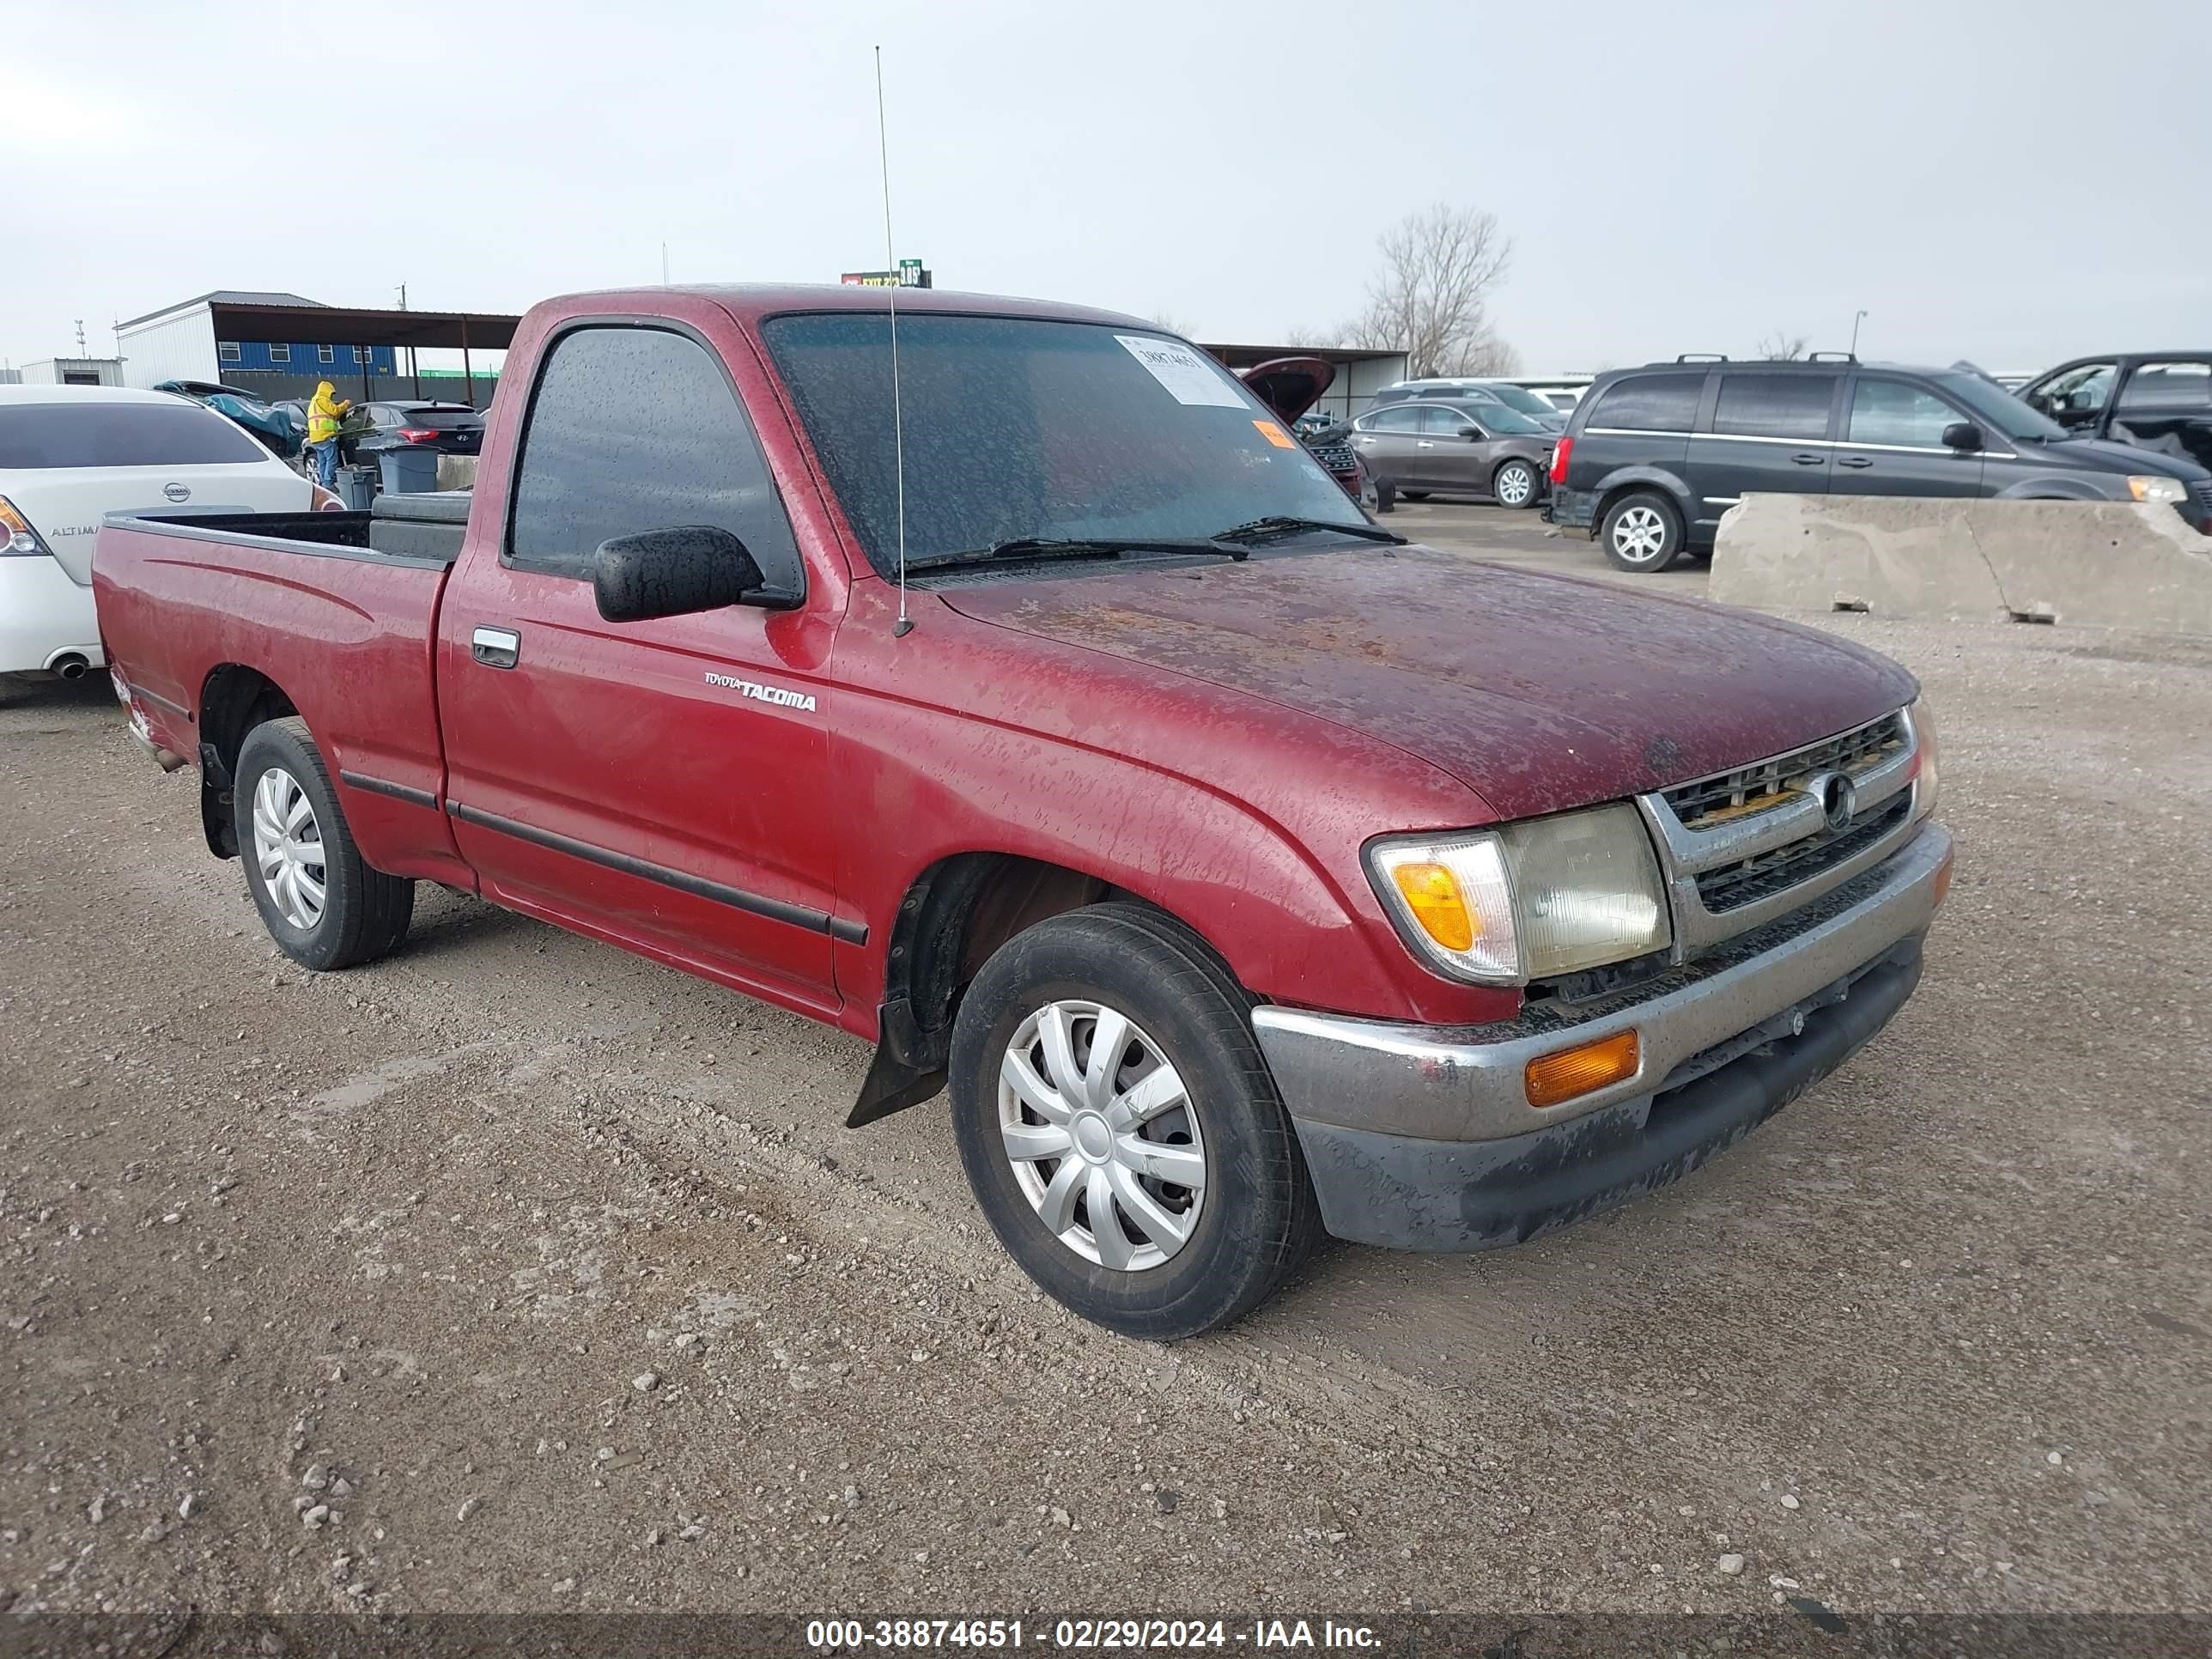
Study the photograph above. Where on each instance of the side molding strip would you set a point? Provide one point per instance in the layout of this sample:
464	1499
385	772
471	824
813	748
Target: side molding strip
798	916
361	781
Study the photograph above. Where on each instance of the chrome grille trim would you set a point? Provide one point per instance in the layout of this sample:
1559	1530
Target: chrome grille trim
1749	815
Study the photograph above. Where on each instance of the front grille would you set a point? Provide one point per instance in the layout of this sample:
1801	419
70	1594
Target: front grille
1731	886
1337	458
2202	490
1751	788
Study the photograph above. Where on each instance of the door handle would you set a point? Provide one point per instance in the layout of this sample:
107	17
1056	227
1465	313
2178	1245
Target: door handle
496	647
1808	461
1855	460
1423	443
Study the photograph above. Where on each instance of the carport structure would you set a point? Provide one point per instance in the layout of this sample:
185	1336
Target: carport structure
1361	372
348	326
197	339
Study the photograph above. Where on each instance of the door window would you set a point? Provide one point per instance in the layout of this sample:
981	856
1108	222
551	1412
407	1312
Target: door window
1774	405
2180	386
1392	420
1445	423
1892	412
634	429
1651	403
2079	390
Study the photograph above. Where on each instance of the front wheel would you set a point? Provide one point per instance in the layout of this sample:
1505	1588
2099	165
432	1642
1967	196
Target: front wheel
324	906
1120	1126
1515	484
1642	533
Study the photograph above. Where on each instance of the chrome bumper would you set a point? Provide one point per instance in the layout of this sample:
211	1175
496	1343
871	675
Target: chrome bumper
1467	1083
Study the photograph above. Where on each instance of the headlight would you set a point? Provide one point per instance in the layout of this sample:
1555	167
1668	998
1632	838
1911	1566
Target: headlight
2168	490
1923	735
1528	901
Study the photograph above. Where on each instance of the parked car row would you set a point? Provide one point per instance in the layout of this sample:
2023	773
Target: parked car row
69	456
1653	456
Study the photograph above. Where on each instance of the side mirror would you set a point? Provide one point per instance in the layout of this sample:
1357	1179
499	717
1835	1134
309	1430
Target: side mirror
1962	434
671	573
2038	401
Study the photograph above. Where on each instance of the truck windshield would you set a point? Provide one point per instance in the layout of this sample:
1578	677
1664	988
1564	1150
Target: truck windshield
1021	428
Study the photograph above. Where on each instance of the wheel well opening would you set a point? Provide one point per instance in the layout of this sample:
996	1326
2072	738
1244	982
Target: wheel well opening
955	915
233	700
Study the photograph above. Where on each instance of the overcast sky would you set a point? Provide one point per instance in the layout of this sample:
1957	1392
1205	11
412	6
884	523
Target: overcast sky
2017	183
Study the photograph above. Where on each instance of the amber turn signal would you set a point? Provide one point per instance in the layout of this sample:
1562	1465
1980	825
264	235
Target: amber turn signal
1943	876
1432	893
1573	1073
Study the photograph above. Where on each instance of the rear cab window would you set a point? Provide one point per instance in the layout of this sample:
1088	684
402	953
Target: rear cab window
2179	385
99	433
639	429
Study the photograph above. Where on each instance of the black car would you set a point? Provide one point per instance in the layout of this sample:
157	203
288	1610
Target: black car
1655	455
2159	400
449	428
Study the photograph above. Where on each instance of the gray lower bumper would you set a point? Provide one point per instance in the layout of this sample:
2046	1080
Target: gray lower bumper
1422	1137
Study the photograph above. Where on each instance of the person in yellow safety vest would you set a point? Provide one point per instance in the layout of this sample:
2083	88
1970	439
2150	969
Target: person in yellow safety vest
326	411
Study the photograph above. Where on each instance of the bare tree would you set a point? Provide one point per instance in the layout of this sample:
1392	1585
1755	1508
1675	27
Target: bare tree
1305	334
1168	323
1432	299
1780	348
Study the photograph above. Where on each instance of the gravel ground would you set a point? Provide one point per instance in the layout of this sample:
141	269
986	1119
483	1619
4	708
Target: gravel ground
516	1273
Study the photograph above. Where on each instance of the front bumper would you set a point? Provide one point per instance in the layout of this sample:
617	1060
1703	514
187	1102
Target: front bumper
1422	1138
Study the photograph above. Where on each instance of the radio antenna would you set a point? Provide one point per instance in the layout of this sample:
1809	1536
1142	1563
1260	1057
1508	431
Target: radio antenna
905	623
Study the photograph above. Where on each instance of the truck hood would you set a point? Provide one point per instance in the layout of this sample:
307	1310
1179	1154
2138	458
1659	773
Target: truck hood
1538	692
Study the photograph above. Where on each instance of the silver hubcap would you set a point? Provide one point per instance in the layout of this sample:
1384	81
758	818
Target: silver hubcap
1640	535
1101	1136
288	845
1514	484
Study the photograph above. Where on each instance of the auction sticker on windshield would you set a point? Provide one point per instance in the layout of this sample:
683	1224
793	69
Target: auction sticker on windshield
1189	377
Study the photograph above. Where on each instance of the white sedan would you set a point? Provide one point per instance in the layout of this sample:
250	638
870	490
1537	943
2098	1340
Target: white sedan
69	456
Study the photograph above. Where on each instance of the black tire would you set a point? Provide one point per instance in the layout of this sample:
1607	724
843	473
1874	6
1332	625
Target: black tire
1413	494
364	912
1647	527
1257	1218
1386	495
1531	492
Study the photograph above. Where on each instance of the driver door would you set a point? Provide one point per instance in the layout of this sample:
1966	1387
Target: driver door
658	783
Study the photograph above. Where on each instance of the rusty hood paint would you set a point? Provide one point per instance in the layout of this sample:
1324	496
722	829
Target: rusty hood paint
1537	691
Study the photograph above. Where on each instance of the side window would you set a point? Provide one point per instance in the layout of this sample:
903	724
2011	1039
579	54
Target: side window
2182	385
1774	405
634	429
1445	423
1651	403
1395	420
1892	412
2083	390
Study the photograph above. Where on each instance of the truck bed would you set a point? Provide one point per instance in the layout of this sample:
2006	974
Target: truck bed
342	631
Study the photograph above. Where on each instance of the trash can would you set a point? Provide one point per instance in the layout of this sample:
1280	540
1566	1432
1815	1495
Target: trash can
409	472
356	487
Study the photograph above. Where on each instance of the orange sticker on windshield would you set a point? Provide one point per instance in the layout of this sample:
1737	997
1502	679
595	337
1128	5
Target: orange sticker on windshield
1275	434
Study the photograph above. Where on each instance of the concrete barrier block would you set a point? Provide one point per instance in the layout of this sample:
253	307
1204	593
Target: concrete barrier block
457	472
2101	563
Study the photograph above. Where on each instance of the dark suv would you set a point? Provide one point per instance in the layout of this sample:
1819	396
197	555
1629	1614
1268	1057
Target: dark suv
1654	456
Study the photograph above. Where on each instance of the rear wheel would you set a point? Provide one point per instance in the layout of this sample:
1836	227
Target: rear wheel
1413	494
1120	1130
1515	484
323	905
1642	532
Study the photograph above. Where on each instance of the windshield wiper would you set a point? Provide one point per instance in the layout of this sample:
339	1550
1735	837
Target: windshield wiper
1022	548
1267	529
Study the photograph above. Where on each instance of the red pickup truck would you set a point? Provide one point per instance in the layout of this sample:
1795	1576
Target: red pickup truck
1245	870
